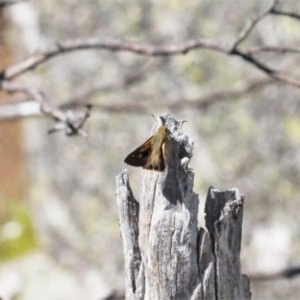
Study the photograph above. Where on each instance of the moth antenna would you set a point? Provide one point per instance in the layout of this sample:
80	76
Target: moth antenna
163	122
154	118
181	123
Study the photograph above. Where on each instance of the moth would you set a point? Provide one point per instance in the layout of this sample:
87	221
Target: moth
151	154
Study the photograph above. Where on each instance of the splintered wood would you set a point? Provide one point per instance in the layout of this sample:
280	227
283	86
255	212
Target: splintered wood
166	255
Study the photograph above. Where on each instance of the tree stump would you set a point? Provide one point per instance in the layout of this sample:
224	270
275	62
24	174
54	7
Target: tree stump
166	255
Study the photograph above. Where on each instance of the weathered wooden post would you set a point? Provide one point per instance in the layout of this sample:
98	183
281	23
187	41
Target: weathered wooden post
166	255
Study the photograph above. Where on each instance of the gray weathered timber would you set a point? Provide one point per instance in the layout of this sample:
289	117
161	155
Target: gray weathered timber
128	214
224	216
166	255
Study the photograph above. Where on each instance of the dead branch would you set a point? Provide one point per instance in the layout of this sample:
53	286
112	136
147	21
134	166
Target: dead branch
250	26
286	14
120	45
17	110
259	49
111	44
4	3
284	274
68	121
238	90
82	96
116	295
73	125
14	111
114	44
280	76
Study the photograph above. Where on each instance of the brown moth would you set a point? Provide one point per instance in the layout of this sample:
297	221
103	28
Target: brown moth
151	154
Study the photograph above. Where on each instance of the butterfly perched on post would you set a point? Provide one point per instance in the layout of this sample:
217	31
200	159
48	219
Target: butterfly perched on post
151	154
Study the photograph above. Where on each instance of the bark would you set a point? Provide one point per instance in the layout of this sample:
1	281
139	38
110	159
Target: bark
166	255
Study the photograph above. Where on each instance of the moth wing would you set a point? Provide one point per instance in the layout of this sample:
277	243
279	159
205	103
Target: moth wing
140	156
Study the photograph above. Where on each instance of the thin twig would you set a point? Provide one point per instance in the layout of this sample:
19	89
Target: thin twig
286	14
250	59
73	123
251	24
68	121
263	67
239	90
28	109
258	49
18	110
287	273
145	49
111	44
83	95
10	2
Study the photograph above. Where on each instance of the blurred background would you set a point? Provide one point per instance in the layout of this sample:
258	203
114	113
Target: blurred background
59	230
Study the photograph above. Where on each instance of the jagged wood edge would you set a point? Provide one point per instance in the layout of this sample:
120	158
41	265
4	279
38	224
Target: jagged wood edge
224	216
128	215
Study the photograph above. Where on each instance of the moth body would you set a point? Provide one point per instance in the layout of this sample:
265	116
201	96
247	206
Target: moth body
151	154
